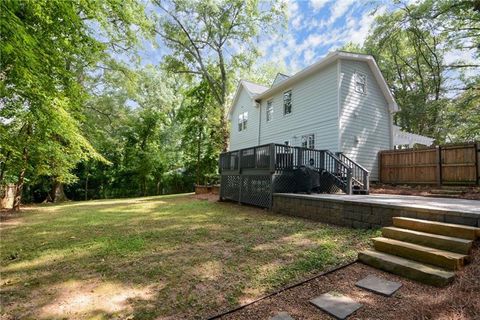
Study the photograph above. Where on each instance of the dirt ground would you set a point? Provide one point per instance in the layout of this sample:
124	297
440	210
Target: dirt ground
459	301
472	193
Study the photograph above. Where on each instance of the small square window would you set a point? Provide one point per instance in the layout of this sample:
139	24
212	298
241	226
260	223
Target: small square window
360	82
287	102
269	110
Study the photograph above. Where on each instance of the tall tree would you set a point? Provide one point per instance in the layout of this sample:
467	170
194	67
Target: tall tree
211	39
201	139
48	49
411	45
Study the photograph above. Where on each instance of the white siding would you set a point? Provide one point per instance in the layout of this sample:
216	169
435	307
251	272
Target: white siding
363	117
314	110
249	137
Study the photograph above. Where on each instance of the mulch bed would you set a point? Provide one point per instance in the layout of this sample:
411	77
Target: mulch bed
472	193
460	300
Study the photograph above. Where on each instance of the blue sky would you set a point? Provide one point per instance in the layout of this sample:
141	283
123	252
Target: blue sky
315	27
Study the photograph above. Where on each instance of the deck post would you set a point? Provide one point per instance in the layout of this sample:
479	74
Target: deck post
272	157
322	160
349	181
366	181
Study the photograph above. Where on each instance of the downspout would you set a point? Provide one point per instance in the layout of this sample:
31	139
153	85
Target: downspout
259	120
391	114
339	114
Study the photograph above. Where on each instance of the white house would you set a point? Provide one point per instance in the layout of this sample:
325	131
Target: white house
340	103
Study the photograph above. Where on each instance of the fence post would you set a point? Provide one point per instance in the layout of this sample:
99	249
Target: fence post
477	165
439	165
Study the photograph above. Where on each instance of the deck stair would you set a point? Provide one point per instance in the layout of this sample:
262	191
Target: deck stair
422	250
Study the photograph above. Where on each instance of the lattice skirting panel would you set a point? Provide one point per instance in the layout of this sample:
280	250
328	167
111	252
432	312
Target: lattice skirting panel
327	184
230	187
249	189
284	182
258	190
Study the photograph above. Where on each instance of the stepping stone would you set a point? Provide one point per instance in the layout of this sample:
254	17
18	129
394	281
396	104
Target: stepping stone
379	285
337	305
282	316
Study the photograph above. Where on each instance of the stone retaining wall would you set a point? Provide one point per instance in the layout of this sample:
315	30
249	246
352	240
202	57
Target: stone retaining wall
361	215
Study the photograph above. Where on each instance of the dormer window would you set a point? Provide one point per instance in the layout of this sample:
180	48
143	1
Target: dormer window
360	82
242	121
287	102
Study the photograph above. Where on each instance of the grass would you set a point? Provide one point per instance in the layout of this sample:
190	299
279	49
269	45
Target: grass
165	257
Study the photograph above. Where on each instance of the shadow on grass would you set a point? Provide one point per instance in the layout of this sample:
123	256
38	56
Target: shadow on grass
174	256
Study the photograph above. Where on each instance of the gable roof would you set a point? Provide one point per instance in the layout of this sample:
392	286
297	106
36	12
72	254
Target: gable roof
253	90
279	78
330	58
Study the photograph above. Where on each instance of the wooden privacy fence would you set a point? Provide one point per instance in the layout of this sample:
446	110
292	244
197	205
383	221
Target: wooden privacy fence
446	164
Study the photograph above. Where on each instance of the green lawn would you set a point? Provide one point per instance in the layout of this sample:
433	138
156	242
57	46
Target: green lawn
165	257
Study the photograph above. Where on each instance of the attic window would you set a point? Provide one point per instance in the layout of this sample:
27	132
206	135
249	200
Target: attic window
269	110
287	102
361	83
242	121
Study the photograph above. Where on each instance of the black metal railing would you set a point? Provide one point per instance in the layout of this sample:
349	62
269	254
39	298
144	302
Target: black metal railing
340	171
259	157
360	174
272	159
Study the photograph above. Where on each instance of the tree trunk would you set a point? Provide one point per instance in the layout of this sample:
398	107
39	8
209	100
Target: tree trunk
199	155
3	166
20	182
58	195
86	186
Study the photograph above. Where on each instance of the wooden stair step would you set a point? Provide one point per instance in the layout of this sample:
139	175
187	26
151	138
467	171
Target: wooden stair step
432	256
437	241
441	228
406	268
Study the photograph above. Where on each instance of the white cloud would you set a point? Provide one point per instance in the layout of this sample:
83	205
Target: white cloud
313	34
358	29
292	9
318	4
339	9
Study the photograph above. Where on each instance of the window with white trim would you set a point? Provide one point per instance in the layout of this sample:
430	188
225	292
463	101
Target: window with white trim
360	82
308	141
287	102
242	121
269	110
